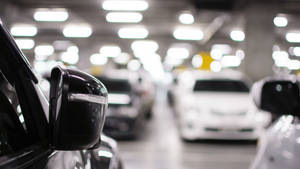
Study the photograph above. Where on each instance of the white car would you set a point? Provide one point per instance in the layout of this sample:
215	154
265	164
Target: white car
279	148
218	106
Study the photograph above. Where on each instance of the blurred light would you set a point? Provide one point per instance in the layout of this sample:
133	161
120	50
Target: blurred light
23	30
125	5
296	51
173	61
230	61
226	49
240	53
61	44
280	21
188	34
197	61
275	47
124	17
216	54
145	46
40	66
152	63
293	37
77	31
122	58
43	51
279	55
281	58
293	65
25	43
178	53
218	50
186	18
70	57
215	66
237	35
73	49
114	98
51	15
134	65
110	50
98	59
103	153
133	33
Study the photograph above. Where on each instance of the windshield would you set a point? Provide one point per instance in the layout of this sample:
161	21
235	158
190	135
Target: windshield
219	85
116	85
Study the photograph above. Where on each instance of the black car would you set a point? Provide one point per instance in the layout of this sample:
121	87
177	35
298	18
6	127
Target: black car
62	133
127	111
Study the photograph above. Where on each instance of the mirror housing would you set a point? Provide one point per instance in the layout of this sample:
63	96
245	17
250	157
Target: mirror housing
280	97
78	104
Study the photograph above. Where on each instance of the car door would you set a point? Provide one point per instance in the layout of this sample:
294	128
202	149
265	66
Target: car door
24	129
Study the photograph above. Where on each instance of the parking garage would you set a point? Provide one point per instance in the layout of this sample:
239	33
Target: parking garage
161	84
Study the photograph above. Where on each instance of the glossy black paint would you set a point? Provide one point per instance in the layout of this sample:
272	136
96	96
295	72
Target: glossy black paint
280	97
76	124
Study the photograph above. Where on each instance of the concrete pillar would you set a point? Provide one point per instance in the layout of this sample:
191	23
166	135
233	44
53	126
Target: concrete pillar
260	37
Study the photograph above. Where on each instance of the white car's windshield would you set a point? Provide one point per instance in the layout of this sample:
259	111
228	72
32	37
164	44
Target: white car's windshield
220	86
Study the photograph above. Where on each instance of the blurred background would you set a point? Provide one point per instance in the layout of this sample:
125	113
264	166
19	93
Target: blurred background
159	59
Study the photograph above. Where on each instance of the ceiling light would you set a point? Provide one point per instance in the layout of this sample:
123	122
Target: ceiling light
51	15
133	33
77	31
215	66
23	30
279	55
122	58
110	50
125	5
186	18
280	21
70	57
293	65
44	50
98	59
178	53
124	17
144	46
173	61
237	35
218	50
296	51
25	43
197	61
240	53
230	61
188	34
293	37
134	65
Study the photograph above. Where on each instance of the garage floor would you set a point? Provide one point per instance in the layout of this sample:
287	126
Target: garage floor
160	147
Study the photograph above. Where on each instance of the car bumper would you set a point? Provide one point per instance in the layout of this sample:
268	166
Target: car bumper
221	129
119	127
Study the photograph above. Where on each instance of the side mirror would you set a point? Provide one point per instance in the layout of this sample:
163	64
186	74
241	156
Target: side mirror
279	97
78	104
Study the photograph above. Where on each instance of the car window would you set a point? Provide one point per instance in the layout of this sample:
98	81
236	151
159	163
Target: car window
221	86
13	129
116	85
